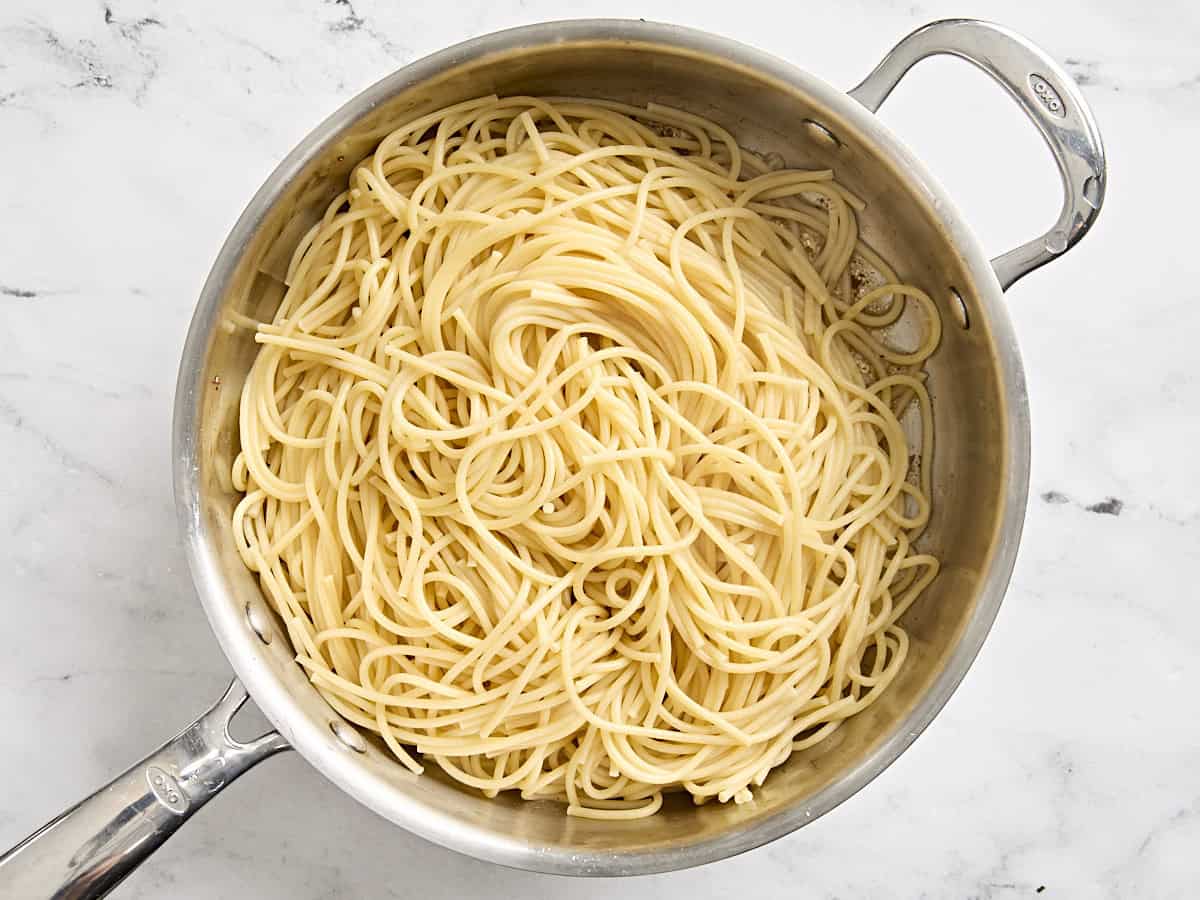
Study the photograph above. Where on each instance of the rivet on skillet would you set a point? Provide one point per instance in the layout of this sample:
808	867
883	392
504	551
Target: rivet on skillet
820	133
348	736
958	307
257	620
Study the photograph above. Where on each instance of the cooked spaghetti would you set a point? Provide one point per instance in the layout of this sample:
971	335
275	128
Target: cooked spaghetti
574	461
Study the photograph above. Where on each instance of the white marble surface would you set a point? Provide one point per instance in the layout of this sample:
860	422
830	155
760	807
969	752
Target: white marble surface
132	134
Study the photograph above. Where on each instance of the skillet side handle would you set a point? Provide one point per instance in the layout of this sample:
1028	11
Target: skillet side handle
92	847
1048	96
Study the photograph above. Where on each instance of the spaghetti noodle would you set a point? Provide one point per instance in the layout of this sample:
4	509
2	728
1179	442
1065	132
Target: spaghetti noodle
573	459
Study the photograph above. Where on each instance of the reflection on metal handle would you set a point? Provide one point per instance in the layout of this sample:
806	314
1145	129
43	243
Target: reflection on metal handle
1049	98
92	847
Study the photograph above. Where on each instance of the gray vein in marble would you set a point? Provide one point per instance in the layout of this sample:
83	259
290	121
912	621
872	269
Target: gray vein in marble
130	28
131	31
119	671
1171	519
999	877
1061	768
81	55
1109	506
243	41
1134	74
1003	879
14	419
72	383
103	64
1082	70
28	293
349	22
1179	817
1115	506
1119	875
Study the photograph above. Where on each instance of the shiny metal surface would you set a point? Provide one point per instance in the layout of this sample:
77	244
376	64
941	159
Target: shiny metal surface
1051	100
92	847
980	466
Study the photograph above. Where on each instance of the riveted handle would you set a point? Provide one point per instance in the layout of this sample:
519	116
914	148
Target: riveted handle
1049	97
92	847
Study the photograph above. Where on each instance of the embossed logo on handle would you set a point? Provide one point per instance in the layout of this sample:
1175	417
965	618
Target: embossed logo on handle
167	790
1048	96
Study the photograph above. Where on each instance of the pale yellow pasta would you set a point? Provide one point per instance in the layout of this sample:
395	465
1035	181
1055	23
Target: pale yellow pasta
573	460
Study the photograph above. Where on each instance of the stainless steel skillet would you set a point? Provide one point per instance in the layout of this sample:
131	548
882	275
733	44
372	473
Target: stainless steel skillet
980	471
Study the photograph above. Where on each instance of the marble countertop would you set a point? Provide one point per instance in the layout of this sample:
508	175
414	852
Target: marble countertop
131	135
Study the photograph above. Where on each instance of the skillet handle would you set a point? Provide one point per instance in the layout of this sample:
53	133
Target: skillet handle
1048	96
92	847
